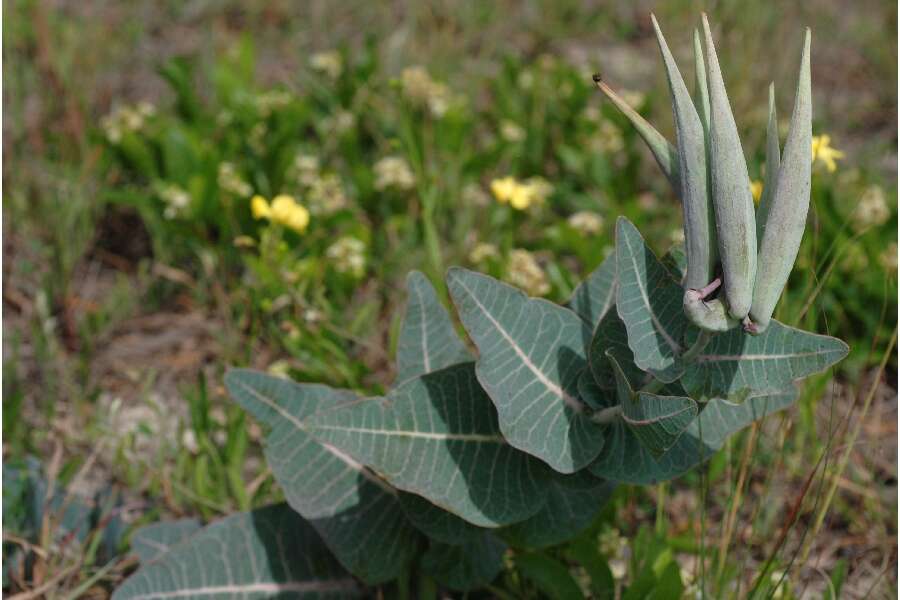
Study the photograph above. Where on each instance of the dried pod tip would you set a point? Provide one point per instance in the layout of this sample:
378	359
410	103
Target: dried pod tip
597	77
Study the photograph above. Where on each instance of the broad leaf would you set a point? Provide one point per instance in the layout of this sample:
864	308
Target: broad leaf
675	262
356	512
590	392
735	364
597	294
437	436
649	302
437	523
549	575
531	354
625	459
152	541
572	503
428	342
468	566
266	553
656	421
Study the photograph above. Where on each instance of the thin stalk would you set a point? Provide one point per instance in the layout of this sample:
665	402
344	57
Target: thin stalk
848	447
728	530
691	354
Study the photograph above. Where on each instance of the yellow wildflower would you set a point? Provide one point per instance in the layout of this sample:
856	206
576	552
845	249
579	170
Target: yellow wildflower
521	197
284	210
823	151
259	207
503	189
756	188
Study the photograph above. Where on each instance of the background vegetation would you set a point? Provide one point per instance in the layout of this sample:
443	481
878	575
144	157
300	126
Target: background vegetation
137	267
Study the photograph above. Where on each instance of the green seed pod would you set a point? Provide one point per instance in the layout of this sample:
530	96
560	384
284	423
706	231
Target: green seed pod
699	223
710	316
665	154
732	200
701	90
786	217
773	162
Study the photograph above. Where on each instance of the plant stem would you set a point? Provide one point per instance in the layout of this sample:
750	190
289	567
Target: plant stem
607	415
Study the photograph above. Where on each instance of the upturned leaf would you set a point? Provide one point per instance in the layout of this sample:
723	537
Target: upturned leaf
437	436
465	567
267	553
531	353
734	364
572	503
355	511
649	303
657	421
612	337
152	541
435	522
428	341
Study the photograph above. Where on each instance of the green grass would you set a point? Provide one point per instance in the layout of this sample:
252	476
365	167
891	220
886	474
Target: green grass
92	250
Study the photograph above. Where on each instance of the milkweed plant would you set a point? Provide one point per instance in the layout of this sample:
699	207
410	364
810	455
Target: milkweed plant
641	376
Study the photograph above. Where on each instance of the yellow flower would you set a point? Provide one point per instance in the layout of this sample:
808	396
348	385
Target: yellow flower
756	188
503	189
822	150
521	197
259	207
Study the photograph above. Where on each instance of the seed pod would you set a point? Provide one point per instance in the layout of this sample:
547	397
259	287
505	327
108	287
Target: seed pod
732	200
786	218
701	90
710	316
773	162
699	223
665	154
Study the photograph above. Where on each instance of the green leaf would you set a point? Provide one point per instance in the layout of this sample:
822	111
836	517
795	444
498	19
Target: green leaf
586	552
675	262
625	459
437	436
356	512
734	364
435	522
428	342
597	294
468	566
590	392
656	421
152	541
649	302
266	553
531	354
549	575
572	503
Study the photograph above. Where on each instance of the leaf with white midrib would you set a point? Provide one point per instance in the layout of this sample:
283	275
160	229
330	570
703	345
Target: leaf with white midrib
428	341
734	364
531	353
573	502
437	436
357	513
649	302
267	553
153	540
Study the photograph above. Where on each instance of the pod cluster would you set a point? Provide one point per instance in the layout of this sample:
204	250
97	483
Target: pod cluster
739	257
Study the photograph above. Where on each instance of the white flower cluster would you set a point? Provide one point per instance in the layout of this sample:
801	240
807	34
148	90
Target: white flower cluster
126	118
393	172
176	199
524	272
420	89
231	182
348	256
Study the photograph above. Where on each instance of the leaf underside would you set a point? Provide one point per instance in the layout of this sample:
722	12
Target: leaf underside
357	514
152	541
269	552
467	566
